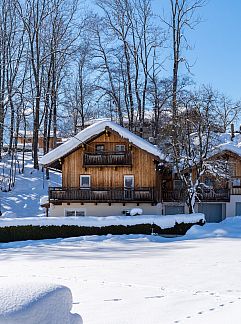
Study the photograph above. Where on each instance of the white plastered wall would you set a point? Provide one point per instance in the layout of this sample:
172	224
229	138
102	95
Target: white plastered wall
103	209
231	206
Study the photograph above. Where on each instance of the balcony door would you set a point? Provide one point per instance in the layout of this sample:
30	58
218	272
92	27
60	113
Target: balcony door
128	186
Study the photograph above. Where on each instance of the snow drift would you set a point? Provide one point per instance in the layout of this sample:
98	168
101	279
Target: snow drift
38	303
230	227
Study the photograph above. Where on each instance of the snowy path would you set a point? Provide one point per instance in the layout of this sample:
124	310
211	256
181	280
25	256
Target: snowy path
137	279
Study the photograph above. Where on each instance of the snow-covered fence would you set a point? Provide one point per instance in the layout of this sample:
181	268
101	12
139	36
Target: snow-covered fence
38	303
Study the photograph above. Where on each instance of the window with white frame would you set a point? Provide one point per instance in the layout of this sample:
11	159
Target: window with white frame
84	181
74	212
129	182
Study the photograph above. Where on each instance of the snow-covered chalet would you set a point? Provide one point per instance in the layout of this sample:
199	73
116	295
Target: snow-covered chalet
106	170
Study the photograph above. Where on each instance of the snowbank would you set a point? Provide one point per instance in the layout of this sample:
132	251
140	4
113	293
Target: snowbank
38	303
230	227
166	221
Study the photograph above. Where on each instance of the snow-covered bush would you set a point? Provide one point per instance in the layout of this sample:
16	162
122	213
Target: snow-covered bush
56	227
36	303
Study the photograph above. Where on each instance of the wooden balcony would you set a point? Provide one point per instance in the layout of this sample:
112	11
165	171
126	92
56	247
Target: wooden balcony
236	191
107	159
59	194
207	195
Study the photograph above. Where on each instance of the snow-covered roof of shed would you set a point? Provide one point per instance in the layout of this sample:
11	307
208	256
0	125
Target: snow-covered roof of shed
95	129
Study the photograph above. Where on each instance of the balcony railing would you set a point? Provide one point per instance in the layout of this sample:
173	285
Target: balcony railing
107	158
59	194
209	195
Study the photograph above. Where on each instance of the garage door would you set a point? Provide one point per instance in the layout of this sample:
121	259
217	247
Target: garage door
214	213
238	208
174	210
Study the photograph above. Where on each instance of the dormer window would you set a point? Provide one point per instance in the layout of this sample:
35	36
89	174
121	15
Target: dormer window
120	148
99	148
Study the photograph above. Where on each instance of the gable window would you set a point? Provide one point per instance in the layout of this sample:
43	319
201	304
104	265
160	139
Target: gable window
74	212
99	148
120	148
84	181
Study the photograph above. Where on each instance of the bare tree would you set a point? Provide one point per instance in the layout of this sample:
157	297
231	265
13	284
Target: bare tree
190	153
183	18
227	111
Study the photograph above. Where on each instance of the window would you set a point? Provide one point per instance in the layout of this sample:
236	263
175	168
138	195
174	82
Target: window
209	182
69	213
74	212
120	148
129	182
85	181
236	182
99	148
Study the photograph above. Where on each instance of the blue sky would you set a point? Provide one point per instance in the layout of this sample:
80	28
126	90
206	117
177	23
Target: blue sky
216	43
217	46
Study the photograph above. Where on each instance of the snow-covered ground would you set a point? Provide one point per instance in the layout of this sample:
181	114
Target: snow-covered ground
36	303
23	200
139	279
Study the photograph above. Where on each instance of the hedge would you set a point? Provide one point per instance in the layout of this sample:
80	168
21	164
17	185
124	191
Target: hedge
30	232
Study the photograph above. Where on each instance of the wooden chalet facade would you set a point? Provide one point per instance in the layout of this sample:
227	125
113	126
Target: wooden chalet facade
106	170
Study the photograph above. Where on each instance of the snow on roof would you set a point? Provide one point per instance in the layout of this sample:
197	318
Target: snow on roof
96	129
224	143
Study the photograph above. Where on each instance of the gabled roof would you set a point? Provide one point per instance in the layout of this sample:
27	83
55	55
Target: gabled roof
93	130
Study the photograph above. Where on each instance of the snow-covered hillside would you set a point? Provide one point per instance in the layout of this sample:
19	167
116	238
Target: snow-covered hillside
23	200
140	279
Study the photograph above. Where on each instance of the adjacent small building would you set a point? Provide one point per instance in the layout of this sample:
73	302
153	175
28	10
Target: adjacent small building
28	138
220	196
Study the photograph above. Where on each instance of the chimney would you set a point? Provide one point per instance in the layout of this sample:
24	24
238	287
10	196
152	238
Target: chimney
232	132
